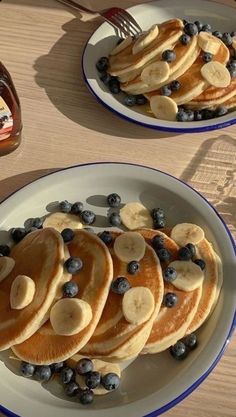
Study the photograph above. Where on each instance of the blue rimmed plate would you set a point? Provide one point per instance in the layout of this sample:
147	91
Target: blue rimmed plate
220	16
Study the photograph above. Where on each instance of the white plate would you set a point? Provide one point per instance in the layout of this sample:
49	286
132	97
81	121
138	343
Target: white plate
152	382
220	16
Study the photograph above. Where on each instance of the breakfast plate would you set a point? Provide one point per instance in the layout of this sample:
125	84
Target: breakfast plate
152	383
104	39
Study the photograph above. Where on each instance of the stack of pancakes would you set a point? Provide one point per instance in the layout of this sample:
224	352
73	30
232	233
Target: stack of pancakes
142	55
108	335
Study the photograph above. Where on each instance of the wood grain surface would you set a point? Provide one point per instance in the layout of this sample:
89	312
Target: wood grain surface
41	45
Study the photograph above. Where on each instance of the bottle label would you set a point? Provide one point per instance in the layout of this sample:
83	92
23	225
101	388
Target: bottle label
6	120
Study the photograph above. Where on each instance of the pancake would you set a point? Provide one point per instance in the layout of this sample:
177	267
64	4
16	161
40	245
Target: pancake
231	103
94	279
126	61
114	338
40	255
213	96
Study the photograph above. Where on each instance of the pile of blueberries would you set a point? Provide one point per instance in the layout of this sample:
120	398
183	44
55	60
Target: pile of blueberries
67	375
182	348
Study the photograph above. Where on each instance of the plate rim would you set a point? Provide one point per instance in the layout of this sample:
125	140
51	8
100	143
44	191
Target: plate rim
190	389
157	127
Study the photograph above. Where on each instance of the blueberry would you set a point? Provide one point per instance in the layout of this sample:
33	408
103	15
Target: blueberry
71	389
233	74
233	64
84	366
169	55
232	34
65	206
115	219
130	100
120	285
201	263
57	367
227	39
179	350
175	85
105	78
102	64
70	289
184	254
159	223
190	115
73	265
4	250
113	200
166	91
140	99
221	111
133	267
232	70
206	28
77	207
92	379
170	274
217	34
86	396
37	222
207	114
43	373
199	25
191	29
191	341
18	234
191	248
170	299
197	115
181	116
157	213
110	381
158	242
207	56
67	375
185	39
114	86
163	254
106	237
27	369
88	217
67	235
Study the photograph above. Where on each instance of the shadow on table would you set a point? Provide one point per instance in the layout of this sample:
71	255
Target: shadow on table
59	74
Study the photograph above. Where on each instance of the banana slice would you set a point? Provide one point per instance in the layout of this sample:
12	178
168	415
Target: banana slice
130	246
208	42
6	266
145	39
216	74
138	305
184	233
164	108
234	42
60	221
126	42
155	73
22	292
69	316
189	275
136	216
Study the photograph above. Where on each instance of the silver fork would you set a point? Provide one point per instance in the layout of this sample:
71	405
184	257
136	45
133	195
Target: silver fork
117	17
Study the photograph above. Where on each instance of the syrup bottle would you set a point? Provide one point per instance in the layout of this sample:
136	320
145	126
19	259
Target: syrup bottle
10	114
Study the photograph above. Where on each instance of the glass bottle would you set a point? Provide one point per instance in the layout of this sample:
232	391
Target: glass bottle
10	114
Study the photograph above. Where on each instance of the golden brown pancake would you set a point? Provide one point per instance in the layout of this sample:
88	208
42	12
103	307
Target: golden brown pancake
214	96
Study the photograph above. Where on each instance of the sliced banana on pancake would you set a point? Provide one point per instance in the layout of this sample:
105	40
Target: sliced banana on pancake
189	275
121	46
6	266
69	316
138	305
22	292
155	73
216	74
208	42
164	108
130	246
145	39
184	233
136	216
60	221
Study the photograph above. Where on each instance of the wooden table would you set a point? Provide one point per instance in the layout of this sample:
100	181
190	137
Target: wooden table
41	45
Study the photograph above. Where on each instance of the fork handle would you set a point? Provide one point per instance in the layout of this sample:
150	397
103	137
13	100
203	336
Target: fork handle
74	5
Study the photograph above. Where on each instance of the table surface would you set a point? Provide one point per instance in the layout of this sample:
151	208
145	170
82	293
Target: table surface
41	45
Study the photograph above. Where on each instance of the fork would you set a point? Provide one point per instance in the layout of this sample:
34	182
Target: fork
117	17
